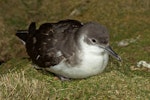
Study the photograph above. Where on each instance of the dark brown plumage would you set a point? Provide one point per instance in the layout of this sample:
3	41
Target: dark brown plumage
42	44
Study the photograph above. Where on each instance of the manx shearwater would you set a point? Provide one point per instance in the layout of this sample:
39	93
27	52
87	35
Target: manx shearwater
68	48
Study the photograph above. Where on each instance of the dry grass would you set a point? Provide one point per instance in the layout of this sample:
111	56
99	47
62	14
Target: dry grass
16	87
125	19
112	85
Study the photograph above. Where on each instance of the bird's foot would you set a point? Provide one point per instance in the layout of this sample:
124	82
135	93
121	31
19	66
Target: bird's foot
37	67
62	78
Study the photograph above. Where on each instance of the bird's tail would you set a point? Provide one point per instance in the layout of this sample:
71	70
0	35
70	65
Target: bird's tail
22	34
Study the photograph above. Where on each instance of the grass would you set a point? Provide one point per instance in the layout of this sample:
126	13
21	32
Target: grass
125	19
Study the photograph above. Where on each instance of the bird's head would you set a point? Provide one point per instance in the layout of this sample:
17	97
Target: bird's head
97	35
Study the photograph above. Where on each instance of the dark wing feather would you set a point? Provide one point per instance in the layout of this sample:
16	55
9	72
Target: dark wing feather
40	46
43	44
67	35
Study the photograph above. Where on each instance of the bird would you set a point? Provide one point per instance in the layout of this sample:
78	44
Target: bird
68	48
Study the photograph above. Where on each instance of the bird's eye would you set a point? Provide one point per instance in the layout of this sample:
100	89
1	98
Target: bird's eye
93	40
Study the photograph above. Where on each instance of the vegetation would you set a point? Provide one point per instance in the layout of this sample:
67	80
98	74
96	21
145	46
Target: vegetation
125	19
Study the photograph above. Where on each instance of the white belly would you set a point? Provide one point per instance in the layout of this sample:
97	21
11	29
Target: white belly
88	67
93	61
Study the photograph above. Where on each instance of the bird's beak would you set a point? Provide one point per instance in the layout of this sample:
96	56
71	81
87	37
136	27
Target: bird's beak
112	53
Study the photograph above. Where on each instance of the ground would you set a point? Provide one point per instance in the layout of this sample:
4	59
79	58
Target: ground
125	20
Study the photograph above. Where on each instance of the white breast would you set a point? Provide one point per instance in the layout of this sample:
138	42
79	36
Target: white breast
93	61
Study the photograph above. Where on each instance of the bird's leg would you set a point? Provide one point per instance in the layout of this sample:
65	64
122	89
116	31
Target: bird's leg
62	78
36	67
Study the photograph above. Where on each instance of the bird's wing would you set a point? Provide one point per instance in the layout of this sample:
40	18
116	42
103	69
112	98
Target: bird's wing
67	34
46	47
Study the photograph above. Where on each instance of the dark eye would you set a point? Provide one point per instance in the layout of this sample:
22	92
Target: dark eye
93	40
